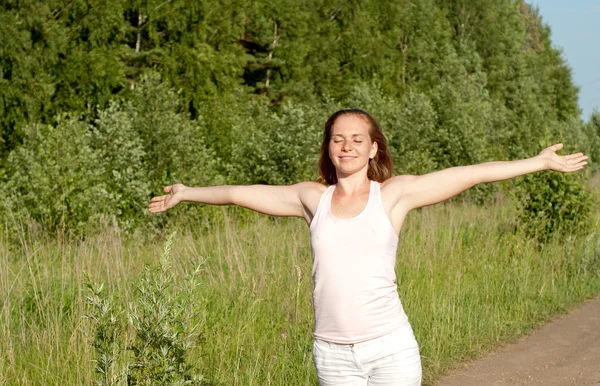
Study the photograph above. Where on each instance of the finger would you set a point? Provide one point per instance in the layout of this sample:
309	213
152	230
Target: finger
167	189
579	166
157	199
577	160
157	203
571	156
153	207
156	208
556	147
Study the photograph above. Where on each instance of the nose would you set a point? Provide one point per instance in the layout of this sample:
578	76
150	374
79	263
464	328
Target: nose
346	146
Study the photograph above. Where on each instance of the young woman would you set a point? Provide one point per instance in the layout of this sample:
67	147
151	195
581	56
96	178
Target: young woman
362	335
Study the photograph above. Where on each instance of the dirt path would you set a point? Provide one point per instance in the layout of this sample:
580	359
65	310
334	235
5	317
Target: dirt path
564	352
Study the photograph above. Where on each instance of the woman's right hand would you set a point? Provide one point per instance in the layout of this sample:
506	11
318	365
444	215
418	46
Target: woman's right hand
169	200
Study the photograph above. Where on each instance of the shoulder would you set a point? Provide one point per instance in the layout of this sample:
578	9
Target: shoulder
310	194
397	182
311	186
395	188
310	190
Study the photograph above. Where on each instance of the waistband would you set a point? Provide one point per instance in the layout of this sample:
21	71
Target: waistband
400	332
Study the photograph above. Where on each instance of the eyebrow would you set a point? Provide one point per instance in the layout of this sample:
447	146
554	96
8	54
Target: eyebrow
340	135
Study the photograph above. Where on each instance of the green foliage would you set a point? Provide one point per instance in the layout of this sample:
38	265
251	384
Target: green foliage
553	204
56	177
275	148
106	317
164	321
592	132
152	93
58	58
174	144
28	47
77	175
121	154
463	110
166	325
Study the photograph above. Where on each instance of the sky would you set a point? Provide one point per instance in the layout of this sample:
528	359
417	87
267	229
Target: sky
575	26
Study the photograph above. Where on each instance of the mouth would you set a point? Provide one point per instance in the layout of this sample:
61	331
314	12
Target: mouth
346	158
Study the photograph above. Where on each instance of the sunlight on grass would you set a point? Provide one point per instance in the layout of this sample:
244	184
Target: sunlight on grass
466	280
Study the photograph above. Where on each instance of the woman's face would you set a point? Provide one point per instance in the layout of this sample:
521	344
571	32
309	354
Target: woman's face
351	147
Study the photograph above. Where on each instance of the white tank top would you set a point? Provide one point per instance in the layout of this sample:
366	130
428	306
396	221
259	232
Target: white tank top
355	296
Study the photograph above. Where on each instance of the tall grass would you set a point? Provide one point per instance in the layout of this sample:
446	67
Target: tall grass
467	281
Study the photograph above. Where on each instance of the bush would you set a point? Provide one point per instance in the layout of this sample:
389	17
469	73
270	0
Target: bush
552	203
56	177
592	130
108	327
276	147
77	175
165	323
121	155
174	144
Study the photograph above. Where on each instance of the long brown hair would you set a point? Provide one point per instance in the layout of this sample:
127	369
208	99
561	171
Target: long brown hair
381	167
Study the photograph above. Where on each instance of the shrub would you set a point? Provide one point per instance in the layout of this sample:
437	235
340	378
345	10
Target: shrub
121	155
56	177
592	128
552	203
166	326
584	137
276	147
174	144
77	175
165	323
108	328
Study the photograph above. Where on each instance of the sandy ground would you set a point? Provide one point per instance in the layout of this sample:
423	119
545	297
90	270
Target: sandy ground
564	352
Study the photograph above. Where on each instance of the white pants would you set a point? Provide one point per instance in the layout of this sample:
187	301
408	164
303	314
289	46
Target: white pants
390	360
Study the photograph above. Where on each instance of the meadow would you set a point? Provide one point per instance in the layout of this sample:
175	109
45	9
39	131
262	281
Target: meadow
468	281
105	102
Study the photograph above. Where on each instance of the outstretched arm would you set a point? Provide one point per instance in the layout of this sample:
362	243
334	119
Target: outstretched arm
429	189
289	200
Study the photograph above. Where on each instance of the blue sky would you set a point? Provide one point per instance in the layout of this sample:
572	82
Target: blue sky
575	26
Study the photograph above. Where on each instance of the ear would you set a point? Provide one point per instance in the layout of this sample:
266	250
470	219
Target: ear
374	149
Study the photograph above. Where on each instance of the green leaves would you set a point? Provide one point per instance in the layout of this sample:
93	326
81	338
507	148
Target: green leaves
148	93
275	148
56	178
148	342
80	176
553	204
166	326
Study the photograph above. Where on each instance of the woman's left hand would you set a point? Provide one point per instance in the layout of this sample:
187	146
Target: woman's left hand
562	163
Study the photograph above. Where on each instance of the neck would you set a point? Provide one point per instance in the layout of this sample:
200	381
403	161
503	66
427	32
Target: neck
352	185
